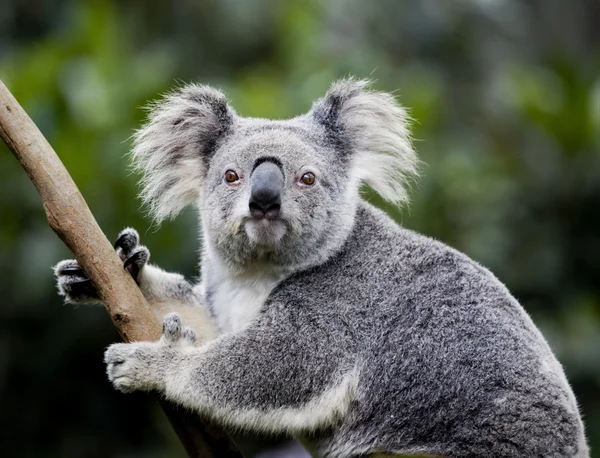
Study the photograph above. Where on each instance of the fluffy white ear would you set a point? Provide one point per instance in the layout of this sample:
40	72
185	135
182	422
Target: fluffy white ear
173	149
372	128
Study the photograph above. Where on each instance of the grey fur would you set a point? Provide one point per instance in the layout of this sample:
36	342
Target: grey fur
173	149
336	325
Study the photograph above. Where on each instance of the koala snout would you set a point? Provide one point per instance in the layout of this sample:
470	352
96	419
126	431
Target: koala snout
266	186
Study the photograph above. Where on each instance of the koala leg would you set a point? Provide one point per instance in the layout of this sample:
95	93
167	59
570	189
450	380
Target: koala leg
245	380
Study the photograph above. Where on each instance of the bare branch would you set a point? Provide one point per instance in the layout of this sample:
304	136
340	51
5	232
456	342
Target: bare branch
72	220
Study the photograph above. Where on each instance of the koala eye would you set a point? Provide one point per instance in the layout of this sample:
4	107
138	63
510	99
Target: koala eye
231	176
308	178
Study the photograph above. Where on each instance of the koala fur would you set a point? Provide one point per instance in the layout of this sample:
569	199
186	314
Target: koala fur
333	324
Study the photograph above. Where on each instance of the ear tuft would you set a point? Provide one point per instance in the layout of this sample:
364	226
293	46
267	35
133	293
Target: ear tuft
373	129
173	149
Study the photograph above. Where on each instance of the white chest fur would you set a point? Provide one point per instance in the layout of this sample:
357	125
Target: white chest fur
237	299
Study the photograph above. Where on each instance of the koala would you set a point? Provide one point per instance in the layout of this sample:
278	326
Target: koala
316	314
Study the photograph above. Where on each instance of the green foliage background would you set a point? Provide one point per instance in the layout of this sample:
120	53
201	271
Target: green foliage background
506	101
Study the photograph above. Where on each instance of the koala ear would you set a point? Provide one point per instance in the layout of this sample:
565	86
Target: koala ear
173	149
372	129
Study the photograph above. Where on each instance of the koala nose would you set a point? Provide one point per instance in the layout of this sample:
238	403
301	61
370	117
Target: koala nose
265	190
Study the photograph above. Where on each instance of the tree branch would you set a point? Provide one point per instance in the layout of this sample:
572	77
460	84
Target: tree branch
71	219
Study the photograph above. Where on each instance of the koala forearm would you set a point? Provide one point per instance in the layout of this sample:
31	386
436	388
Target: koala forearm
234	382
158	285
168	292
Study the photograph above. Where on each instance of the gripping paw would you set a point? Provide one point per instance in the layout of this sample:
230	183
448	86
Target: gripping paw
174	335
143	365
133	255
75	285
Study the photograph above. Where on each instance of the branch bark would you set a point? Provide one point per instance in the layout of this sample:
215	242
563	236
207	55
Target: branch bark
71	219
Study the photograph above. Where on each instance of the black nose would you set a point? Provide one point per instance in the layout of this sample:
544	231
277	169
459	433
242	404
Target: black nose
265	190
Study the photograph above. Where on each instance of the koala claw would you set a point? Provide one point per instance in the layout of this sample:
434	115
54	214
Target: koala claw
74	284
173	333
136	260
189	336
142	365
171	328
127	239
133	255
69	267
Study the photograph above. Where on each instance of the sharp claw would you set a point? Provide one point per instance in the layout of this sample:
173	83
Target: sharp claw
131	267
172	327
76	271
135	262
189	334
84	286
120	242
131	260
127	240
117	243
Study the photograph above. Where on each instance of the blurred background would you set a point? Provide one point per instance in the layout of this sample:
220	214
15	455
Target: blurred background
505	95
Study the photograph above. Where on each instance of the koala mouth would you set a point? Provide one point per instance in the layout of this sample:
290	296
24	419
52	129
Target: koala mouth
265	231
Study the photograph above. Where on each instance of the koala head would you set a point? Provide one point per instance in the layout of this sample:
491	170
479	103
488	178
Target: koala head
282	192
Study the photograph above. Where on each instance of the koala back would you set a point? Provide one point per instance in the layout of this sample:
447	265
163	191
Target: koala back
450	364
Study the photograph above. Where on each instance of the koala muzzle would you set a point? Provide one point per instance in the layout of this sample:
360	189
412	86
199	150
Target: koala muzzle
266	185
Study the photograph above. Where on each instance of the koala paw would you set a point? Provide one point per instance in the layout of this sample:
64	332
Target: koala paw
133	255
143	365
74	284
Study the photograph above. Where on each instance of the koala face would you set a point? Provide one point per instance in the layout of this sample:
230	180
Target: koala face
275	191
278	192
